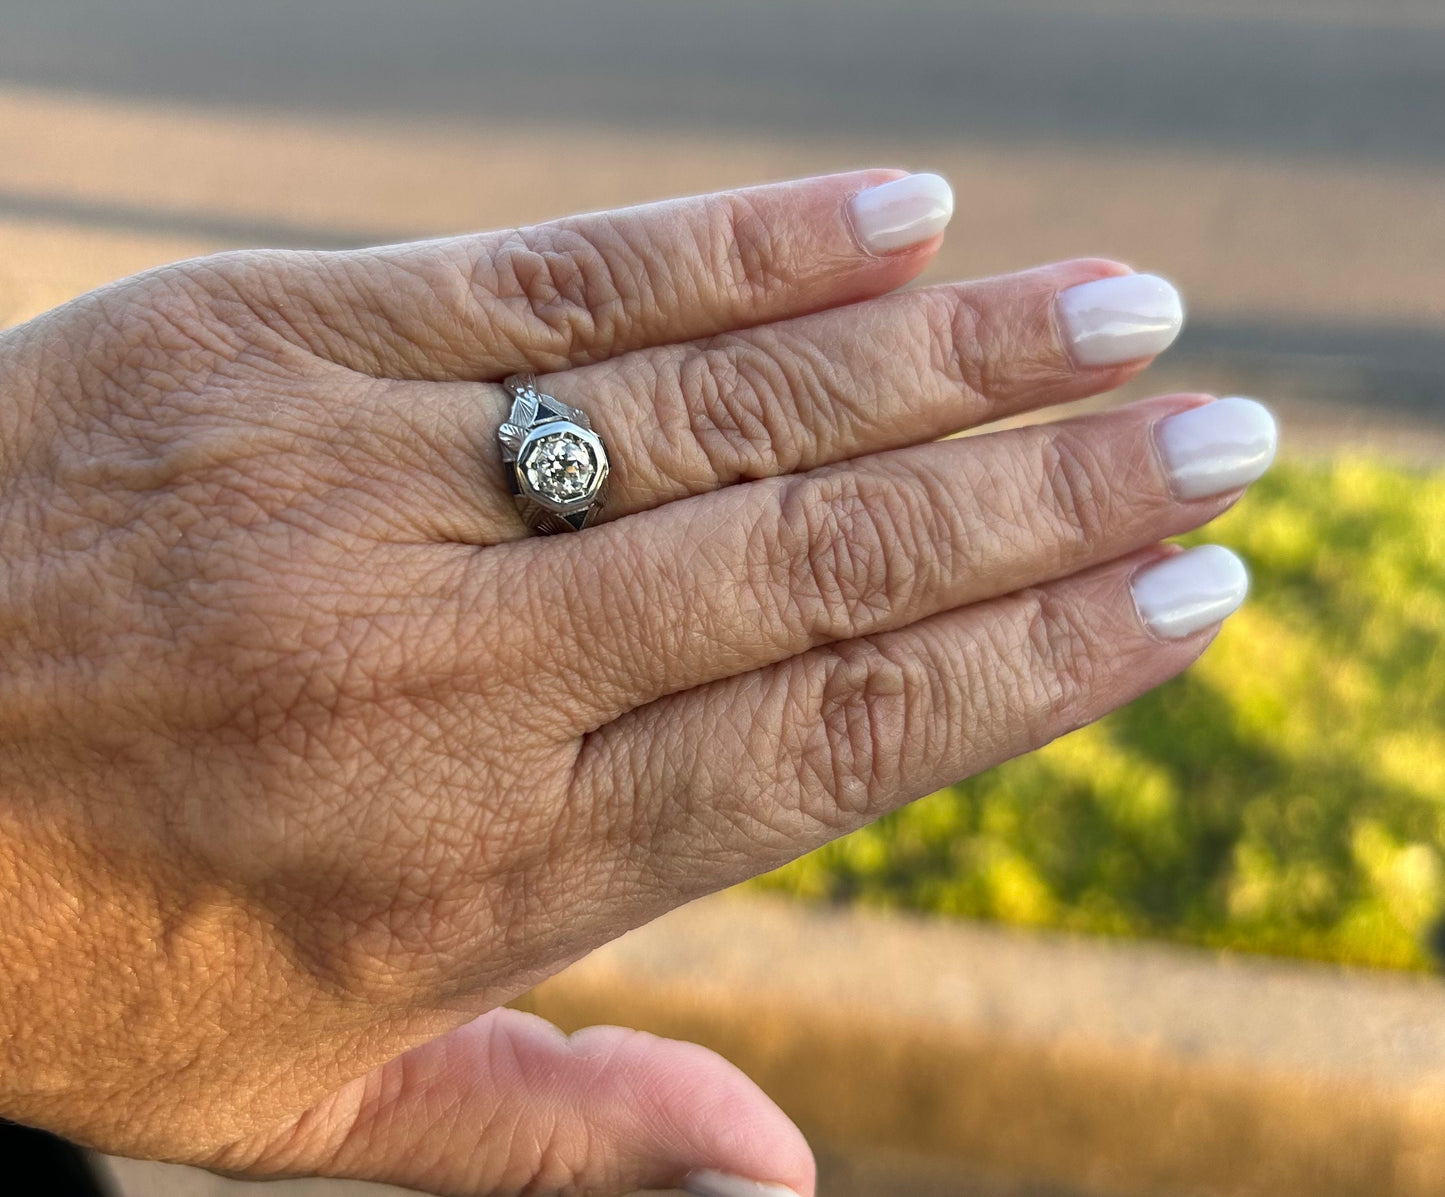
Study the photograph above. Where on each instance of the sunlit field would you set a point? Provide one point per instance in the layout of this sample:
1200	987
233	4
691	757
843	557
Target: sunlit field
1286	796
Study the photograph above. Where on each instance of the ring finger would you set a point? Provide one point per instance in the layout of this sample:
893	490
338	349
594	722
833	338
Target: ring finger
798	394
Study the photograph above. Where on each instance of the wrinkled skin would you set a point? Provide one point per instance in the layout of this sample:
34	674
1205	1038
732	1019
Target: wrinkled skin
312	759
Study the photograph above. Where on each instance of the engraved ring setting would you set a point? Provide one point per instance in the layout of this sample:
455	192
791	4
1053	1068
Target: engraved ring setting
556	464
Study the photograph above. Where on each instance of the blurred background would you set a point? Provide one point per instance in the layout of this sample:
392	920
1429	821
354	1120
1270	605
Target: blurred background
1282	160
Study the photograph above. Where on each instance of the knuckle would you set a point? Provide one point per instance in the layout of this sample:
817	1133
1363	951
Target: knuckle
1061	667
245	299
158	335
844	551
148	355
747	254
994	340
958	340
557	288
866	700
1076	489
552	287
732	399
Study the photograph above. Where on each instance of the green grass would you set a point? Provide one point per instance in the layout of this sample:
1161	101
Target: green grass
1287	795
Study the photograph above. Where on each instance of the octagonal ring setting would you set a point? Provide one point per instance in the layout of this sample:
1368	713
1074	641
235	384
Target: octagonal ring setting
556	465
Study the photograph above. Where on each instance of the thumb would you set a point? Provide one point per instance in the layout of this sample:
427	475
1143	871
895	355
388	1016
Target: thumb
509	1105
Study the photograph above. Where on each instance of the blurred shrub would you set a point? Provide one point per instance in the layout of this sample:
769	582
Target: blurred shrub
1287	795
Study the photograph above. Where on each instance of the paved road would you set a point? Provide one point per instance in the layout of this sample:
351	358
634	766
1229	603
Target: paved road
1364	80
1283	159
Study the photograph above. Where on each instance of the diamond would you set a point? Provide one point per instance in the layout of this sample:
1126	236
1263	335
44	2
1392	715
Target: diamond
559	467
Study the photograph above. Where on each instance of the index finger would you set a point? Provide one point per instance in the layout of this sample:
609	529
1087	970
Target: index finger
586	288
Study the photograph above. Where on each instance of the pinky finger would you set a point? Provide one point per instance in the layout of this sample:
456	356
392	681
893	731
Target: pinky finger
805	751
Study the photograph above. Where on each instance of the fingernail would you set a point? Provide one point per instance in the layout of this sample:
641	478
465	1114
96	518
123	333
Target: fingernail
707	1183
904	212
1216	448
1114	320
1193	590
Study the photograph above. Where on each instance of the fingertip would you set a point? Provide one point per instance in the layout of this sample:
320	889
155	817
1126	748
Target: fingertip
1119	319
1190	592
694	1117
707	1182
904	213
1216	448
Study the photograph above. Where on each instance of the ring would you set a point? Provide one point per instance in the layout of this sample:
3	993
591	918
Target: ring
558	465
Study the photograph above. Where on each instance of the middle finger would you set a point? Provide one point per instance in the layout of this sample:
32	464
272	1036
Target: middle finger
721	584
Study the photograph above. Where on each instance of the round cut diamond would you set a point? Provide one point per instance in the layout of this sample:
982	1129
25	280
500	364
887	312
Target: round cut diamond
559	467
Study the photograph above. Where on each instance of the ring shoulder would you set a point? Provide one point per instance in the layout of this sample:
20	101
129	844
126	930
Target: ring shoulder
511	435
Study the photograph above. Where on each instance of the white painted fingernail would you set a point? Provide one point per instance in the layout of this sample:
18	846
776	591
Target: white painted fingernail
1217	448
1114	320
904	212
1193	590
707	1183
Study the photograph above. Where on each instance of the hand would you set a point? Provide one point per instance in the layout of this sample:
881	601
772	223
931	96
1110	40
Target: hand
312	758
